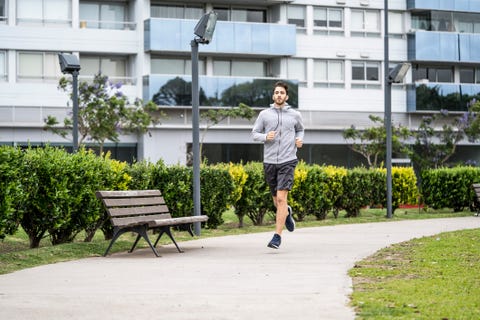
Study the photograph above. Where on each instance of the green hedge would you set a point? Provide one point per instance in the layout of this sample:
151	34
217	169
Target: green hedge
51	193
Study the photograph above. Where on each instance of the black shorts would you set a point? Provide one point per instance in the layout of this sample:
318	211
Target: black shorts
279	176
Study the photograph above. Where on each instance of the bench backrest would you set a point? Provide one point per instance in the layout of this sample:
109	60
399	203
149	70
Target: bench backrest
133	207
476	189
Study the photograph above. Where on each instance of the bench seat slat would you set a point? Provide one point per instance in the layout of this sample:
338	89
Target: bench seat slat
128	194
137	220
134	211
177	221
132	202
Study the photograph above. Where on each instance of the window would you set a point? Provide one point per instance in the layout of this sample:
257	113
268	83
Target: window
395	24
297	69
328	20
42	66
365	74
177	66
114	67
467	75
240	14
296	16
240	68
46	12
179	11
433	73
104	16
328	73
3	66
365	23
3	13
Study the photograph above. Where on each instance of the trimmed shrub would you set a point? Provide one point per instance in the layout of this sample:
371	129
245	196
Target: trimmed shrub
12	195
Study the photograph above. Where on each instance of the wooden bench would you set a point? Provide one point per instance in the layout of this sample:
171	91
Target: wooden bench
475	205
139	211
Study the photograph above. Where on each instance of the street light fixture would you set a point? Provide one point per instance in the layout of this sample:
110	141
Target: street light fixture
204	33
69	64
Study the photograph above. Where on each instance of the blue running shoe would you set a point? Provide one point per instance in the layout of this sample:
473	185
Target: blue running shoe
275	242
289	222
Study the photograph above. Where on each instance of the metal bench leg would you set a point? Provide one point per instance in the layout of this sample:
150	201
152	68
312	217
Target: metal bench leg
142	232
169	233
116	233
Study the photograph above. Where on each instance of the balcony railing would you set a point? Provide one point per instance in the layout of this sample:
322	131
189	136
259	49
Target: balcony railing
441	96
444	46
266	39
168	90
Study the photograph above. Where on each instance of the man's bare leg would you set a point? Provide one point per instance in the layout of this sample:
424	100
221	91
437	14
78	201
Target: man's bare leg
280	202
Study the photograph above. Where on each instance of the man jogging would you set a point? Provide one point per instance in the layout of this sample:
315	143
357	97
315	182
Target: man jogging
281	130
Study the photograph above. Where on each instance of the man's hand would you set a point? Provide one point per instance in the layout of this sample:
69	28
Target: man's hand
271	135
298	142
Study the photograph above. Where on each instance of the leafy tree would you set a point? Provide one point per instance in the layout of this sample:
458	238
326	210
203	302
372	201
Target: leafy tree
104	112
215	116
433	147
370	142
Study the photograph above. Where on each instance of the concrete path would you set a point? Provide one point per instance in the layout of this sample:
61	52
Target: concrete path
234	277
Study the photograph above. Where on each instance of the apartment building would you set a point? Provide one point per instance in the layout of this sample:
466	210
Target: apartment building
330	51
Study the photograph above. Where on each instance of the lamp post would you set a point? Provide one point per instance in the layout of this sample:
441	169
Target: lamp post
69	64
395	76
204	33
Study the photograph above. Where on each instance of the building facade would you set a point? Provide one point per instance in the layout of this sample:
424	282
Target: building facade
330	51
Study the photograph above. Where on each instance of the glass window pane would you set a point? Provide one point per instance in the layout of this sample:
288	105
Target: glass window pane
320	71
335	18
358	71
320	17
113	67
357	20
29	9
477	75
193	13
168	66
30	64
201	67
372	72
372	20
90	12
223	14
248	68
239	15
221	68
444	75
395	22
112	16
57	10
296	15
3	65
296	69
51	65
256	15
335	71
467	75
90	65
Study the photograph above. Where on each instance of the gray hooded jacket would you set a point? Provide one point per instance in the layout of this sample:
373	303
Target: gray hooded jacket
288	125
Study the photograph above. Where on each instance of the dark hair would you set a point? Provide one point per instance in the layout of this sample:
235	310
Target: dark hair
281	84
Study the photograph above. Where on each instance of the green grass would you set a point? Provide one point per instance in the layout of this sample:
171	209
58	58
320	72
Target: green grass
428	278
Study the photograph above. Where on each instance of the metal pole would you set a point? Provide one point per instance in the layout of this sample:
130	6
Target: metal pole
195	136
388	115
75	110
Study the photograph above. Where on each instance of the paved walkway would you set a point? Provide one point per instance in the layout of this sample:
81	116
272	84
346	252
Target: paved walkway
234	277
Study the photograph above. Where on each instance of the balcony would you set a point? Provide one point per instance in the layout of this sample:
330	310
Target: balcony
441	96
433	46
446	5
264	39
444	47
171	90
